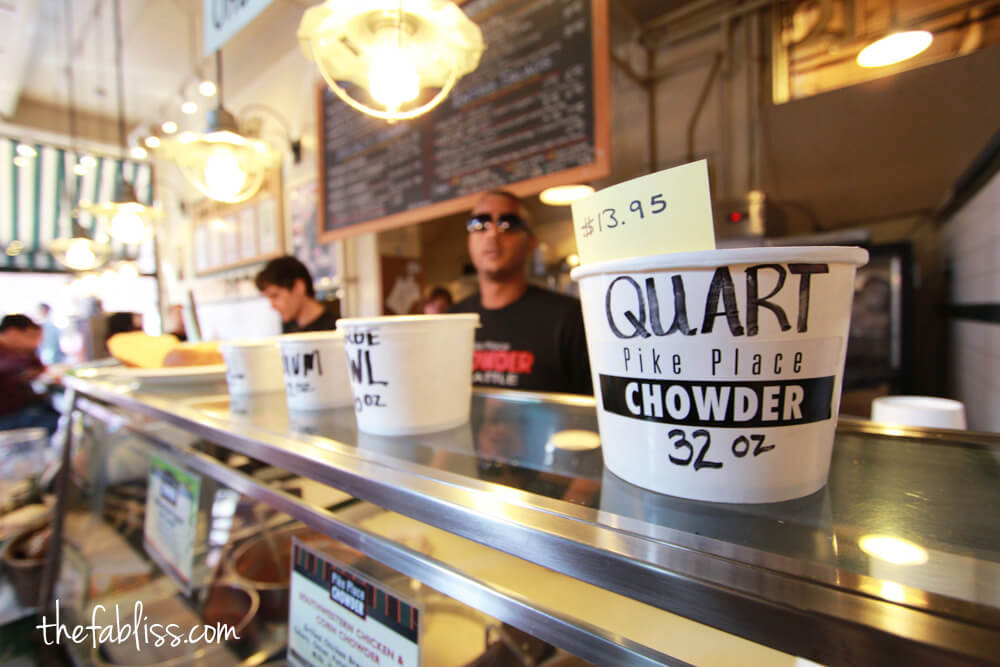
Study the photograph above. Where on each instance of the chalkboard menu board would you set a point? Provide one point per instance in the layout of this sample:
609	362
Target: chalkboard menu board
535	113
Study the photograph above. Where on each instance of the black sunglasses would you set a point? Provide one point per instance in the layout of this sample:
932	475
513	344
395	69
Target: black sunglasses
506	222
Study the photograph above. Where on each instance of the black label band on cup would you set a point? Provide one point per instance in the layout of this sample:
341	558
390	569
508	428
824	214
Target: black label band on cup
725	404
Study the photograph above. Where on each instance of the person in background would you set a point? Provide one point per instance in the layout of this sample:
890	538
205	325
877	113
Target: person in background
49	350
286	283
175	322
122	322
530	338
20	406
438	301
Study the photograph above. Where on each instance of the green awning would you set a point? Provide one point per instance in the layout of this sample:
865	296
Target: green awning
31	200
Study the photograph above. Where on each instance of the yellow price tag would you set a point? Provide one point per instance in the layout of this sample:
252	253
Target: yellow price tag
669	211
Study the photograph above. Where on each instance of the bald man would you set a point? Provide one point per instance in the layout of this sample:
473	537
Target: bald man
531	338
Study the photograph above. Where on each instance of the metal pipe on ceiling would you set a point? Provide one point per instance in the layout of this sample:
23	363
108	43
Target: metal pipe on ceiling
700	104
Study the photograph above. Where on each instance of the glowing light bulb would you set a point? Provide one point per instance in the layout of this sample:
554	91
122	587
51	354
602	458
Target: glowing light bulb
223	176
152	141
895	48
392	76
206	88
79	255
169	127
139	153
128	271
128	227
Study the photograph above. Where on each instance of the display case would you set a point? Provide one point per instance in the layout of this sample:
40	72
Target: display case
508	532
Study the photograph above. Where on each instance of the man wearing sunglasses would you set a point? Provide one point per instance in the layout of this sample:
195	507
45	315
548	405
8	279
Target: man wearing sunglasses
530	338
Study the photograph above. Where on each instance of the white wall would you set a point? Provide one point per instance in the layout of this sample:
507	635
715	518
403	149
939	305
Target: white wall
972	238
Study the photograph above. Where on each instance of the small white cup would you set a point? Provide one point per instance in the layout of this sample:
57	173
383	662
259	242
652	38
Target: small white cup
927	411
253	366
315	370
411	373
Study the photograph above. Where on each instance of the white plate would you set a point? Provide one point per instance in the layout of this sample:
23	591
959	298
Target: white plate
170	375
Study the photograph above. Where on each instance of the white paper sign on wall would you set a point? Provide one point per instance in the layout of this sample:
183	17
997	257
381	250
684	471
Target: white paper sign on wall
225	18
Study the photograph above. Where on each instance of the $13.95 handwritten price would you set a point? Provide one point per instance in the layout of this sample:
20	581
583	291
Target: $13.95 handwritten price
694	450
610	218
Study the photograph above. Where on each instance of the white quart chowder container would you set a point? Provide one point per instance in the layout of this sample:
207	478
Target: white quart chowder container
717	373
253	366
410	373
315	370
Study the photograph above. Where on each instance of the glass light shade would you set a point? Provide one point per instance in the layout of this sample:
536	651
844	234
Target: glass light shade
80	253
223	165
895	48
124	218
432	44
563	195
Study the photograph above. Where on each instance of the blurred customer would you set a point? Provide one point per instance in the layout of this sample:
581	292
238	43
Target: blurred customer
530	338
20	406
286	283
439	301
122	322
49	351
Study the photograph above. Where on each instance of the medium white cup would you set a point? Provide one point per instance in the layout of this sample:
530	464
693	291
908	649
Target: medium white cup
718	373
253	366
928	411
315	370
410	373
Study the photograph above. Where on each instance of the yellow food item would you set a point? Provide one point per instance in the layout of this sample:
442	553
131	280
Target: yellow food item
138	349
194	354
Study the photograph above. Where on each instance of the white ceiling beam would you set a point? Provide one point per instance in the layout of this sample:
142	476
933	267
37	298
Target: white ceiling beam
20	19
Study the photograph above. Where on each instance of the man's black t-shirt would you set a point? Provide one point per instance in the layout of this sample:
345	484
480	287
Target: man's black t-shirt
536	343
325	322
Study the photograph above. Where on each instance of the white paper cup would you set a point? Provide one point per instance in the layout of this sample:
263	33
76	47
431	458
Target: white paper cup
927	411
315	370
410	373
717	373
253	366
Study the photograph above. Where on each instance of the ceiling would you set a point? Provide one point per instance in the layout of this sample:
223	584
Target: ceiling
162	46
163	53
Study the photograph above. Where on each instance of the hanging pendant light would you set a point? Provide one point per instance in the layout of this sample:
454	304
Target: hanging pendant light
393	49
221	162
124	217
895	47
77	251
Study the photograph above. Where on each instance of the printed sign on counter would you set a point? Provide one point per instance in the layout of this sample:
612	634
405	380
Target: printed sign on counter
669	211
339	617
172	517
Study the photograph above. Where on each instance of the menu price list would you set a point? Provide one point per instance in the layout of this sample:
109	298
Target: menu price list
527	111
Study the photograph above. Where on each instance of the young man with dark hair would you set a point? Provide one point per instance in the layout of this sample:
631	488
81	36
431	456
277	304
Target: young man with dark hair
20	406
530	338
286	282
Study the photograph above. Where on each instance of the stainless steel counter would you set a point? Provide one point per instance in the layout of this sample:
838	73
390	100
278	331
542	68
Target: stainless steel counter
793	576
